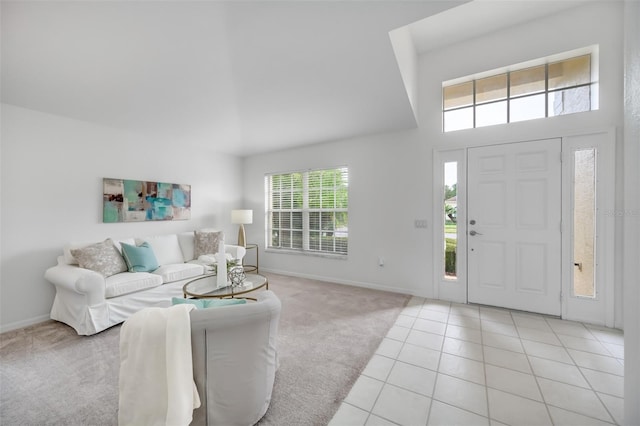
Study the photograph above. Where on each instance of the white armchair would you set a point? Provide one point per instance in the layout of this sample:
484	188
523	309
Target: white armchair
235	360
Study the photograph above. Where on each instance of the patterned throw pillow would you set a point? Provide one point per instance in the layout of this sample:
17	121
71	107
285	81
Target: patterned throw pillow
101	257
207	242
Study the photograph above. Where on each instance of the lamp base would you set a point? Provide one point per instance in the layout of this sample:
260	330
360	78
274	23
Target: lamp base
242	239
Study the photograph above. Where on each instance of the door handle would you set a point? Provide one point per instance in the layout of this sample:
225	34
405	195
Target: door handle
474	233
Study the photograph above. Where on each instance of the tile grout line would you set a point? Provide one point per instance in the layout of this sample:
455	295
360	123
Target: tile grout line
384	382
589	383
535	377
484	368
395	359
435	382
482	345
581	374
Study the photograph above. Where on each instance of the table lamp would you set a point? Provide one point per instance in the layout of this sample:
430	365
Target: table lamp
242	217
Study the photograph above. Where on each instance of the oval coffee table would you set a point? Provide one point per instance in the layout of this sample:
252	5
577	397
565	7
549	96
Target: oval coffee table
205	286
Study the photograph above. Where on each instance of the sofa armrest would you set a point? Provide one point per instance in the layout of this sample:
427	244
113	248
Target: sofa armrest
78	280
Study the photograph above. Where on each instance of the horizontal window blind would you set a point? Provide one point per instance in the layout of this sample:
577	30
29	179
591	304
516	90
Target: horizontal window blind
308	210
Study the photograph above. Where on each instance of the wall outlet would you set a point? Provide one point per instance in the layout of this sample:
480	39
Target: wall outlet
420	223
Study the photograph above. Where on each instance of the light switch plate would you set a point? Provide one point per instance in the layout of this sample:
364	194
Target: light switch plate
420	223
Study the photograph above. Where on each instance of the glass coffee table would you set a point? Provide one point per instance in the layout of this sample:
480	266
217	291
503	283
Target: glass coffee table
206	286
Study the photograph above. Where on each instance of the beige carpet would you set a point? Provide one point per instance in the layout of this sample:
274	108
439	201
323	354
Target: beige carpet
328	332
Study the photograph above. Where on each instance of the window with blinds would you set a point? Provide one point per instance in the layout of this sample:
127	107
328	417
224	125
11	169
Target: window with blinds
547	90
308	211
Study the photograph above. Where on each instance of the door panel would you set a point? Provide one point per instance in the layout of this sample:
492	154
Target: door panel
514	246
531	278
491	253
530	208
492	210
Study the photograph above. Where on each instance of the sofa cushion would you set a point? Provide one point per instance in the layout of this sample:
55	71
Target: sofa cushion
100	257
179	271
129	282
118	243
139	258
210	259
207	303
187	244
207	242
166	248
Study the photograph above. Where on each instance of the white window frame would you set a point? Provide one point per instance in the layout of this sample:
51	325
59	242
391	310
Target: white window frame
446	288
306	212
599	309
592	51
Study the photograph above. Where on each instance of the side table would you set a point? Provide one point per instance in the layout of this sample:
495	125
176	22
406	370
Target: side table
252	268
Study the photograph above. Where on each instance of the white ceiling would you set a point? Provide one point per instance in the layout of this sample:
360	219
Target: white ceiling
479	17
236	77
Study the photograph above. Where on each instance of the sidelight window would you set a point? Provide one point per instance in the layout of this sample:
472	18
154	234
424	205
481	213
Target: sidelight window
450	205
584	229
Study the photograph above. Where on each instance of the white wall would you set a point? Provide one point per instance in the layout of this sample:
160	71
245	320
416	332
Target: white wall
631	213
407	59
387	192
598	23
52	170
391	174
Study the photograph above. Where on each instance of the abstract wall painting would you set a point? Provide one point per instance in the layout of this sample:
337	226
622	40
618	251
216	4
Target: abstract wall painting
138	201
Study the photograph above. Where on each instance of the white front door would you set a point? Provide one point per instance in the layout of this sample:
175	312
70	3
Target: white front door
513	223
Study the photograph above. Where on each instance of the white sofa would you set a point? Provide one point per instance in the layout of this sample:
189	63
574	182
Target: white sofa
90	303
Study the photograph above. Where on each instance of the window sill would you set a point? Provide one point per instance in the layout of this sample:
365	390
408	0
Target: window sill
307	253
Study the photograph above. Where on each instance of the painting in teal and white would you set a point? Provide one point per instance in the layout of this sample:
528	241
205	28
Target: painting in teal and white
127	200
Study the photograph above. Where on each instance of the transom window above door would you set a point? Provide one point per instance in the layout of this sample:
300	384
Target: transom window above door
537	89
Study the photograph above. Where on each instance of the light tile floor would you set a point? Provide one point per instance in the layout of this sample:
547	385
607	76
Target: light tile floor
446	363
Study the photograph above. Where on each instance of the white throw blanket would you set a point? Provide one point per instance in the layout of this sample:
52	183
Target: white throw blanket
156	368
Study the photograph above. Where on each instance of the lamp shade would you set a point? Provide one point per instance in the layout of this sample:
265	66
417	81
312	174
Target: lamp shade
242	217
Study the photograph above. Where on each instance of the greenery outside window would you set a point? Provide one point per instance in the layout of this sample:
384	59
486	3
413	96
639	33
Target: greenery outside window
308	211
556	88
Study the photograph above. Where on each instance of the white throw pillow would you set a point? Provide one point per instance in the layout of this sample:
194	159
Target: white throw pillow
165	247
187	244
118	243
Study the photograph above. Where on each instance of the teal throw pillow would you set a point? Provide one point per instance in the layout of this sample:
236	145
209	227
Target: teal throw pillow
139	258
207	303
199	303
212	303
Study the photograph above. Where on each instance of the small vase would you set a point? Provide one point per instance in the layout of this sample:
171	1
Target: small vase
236	275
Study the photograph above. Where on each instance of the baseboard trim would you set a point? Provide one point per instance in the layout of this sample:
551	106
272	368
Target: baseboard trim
24	323
343	281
